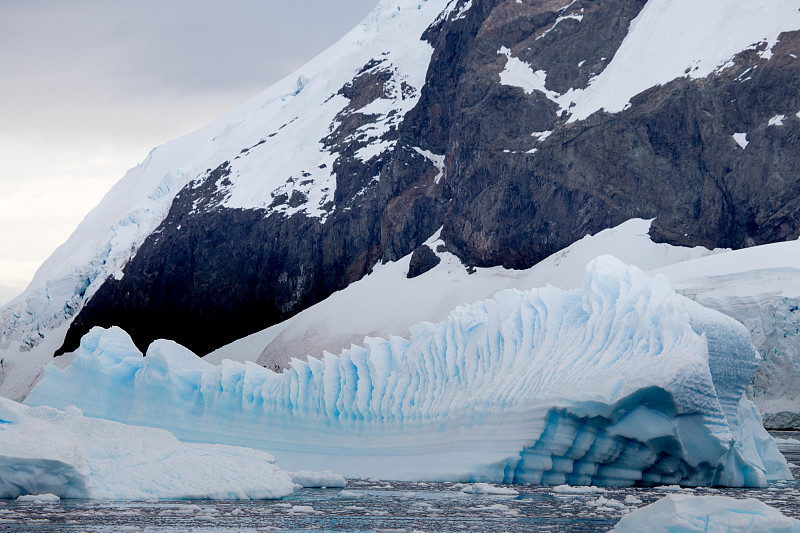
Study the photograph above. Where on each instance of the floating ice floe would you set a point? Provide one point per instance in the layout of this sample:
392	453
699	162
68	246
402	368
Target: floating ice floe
700	514
47	454
488	488
39	498
311	479
621	382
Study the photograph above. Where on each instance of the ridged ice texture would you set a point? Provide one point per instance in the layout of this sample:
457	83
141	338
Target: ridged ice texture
621	382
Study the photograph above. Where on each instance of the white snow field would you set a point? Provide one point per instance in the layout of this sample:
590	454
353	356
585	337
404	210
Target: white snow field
680	513
617	383
49	451
668	39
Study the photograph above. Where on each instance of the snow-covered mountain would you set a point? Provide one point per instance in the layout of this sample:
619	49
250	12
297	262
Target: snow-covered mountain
499	132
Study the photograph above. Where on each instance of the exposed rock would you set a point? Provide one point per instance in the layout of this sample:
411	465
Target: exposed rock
422	260
503	196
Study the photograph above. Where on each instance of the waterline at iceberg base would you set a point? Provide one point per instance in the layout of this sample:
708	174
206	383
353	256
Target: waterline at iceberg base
620	383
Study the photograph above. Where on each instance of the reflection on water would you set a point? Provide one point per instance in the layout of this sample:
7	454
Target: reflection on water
370	505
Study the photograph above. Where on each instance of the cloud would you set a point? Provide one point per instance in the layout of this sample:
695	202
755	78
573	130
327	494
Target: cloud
90	86
93	67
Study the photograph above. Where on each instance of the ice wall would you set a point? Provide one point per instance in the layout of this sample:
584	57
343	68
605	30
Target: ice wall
621	382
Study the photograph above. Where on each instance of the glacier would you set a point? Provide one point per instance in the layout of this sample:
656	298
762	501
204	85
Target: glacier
680	513
759	287
620	382
61	453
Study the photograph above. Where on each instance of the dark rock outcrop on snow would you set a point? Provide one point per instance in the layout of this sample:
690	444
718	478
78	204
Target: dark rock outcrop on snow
211	274
422	260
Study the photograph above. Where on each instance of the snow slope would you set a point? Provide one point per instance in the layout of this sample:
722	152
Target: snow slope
667	40
619	382
431	296
45	450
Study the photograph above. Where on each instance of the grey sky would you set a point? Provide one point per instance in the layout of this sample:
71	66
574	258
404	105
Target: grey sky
87	87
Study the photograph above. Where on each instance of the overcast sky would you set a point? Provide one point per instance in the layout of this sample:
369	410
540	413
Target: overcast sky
88	87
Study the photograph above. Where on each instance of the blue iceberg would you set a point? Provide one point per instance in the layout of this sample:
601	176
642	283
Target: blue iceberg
622	382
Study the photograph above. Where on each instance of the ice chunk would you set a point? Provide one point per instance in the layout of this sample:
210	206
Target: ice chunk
567	489
46	454
310	479
487	488
39	498
621	382
680	513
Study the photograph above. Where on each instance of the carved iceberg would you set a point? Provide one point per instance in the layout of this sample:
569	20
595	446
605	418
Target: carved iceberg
622	382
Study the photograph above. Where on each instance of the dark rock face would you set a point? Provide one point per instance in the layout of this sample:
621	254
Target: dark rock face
210	274
422	260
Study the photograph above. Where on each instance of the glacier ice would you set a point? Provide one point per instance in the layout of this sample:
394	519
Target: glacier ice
621	382
680	513
46	453
760	287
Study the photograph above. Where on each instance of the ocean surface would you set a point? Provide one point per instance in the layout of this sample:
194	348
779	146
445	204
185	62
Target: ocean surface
376	505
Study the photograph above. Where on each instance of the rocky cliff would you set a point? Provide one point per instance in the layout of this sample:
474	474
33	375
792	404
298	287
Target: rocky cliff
490	152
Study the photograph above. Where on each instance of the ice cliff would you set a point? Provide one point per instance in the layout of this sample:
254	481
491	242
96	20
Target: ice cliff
620	382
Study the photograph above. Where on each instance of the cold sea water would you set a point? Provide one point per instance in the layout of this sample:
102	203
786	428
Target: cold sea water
373	505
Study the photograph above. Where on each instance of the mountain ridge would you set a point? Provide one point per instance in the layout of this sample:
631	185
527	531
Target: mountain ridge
467	126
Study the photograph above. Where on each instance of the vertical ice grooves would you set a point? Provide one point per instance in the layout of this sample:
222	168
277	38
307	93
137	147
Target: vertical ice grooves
620	383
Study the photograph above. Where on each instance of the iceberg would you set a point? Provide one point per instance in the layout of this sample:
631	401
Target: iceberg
47	454
620	382
680	513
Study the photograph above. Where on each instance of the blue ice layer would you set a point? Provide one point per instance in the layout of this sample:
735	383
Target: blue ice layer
622	382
